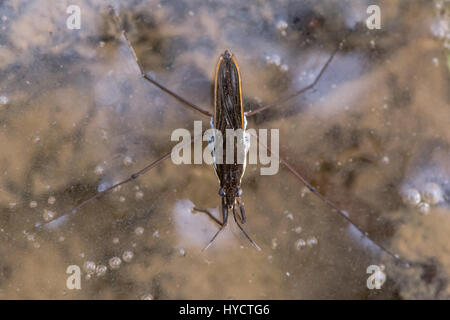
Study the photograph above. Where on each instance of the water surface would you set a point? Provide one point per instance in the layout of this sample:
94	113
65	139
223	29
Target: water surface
76	117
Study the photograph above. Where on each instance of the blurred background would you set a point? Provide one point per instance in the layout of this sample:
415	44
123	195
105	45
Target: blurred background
373	136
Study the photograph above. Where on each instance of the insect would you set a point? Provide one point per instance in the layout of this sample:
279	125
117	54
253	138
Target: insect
229	114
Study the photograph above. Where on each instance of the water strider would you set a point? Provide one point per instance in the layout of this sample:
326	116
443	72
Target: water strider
229	114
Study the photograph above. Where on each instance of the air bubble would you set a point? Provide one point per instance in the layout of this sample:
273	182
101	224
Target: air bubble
115	240
89	267
104	135
274	243
300	244
139	231
33	204
12	205
115	263
127	161
182	252
122	199
312	241
411	197
51	200
424	208
380	276
282	25
99	170
432	193
4	100
435	62
304	191
298	230
139	195
274	59
289	215
102	187
36	245
101	269
48	215
127	256
147	297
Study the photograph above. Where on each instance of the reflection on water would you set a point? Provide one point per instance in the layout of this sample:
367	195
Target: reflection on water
373	136
196	230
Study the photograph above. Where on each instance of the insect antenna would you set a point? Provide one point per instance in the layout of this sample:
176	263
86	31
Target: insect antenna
242	229
185	103
341	212
224	223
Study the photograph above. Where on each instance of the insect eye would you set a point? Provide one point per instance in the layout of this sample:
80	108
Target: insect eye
239	192
221	192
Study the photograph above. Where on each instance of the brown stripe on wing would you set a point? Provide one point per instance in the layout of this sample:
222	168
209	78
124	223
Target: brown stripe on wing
228	95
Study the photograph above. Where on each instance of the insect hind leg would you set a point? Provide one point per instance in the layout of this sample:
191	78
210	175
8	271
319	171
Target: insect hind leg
344	214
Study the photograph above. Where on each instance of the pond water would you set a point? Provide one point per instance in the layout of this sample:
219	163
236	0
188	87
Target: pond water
373	136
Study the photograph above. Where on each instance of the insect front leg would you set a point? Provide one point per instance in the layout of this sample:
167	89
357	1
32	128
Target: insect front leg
242	211
224	213
210	215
